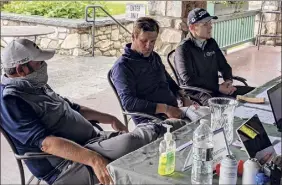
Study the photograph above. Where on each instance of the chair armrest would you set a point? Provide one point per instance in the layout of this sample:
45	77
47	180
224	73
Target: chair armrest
238	78
96	124
186	87
241	79
39	155
33	155
141	114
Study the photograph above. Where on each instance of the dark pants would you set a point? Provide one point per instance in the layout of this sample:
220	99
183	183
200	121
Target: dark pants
202	98
112	146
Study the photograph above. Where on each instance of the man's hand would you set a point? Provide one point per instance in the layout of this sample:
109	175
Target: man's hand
118	125
228	84
265	158
91	114
187	102
170	111
173	112
195	104
100	169
233	89
70	150
226	88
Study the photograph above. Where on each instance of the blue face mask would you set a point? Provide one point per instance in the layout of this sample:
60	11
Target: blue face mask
38	78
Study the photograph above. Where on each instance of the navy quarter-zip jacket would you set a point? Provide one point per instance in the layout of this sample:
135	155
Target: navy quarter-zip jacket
142	82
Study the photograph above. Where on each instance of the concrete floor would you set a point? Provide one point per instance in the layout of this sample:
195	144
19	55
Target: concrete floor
84	80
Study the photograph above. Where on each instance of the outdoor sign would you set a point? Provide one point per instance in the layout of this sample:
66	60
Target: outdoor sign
134	11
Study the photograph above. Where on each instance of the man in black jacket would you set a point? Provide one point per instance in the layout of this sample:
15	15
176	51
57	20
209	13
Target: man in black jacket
198	59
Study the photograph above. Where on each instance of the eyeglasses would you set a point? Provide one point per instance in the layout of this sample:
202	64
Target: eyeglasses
205	24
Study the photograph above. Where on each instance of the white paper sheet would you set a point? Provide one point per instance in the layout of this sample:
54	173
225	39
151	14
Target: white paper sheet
277	148
181	147
272	138
276	145
248	112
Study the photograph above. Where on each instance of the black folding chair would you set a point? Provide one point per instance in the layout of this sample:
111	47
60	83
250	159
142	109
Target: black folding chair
35	155
192	88
125	113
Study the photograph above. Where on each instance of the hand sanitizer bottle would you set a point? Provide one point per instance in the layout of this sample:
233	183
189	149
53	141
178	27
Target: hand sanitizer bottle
167	153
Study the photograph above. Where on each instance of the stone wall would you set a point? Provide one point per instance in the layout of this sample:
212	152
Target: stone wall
172	16
74	37
270	25
170	34
110	40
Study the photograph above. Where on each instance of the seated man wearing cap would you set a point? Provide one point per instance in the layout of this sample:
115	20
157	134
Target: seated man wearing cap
198	59
37	119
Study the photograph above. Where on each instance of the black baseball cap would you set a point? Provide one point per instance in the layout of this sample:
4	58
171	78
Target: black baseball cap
198	15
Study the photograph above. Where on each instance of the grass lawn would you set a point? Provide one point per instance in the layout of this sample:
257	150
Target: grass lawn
124	2
65	9
118	7
115	7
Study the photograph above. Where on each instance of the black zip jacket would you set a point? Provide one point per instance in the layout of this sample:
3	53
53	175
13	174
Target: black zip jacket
199	67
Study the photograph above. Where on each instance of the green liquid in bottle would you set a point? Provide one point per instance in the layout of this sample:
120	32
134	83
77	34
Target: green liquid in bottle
166	163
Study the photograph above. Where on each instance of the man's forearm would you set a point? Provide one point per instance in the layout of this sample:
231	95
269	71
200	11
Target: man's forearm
68	150
161	108
91	114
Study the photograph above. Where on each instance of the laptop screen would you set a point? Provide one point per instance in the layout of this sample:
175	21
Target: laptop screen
274	95
255	140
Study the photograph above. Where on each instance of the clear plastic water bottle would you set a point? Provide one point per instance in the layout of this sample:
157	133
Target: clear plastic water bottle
202	166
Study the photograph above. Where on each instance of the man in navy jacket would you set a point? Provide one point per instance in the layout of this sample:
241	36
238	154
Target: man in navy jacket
140	78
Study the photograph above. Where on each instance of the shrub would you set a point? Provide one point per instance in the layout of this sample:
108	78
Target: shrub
62	9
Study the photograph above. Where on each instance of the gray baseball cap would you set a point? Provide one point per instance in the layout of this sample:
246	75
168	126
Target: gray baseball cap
21	51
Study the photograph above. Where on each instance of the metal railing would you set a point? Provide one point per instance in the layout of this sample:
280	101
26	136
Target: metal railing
94	7
235	29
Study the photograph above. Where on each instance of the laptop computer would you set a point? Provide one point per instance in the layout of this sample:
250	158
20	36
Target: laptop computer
256	141
274	95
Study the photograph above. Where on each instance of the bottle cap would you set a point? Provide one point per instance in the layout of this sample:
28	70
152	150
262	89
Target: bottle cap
167	135
260	178
229	160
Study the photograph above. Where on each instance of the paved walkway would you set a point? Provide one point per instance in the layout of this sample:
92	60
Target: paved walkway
84	80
